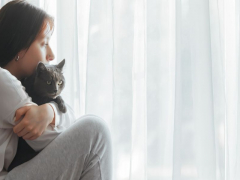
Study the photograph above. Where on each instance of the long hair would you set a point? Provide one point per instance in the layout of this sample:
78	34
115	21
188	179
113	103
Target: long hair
20	24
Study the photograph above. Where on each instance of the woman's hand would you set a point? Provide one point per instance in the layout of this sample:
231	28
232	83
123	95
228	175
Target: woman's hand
34	122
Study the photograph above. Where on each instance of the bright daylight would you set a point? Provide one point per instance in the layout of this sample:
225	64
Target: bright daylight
119	89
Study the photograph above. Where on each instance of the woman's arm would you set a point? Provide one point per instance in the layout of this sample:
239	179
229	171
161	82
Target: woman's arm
62	122
34	122
16	102
53	121
13	97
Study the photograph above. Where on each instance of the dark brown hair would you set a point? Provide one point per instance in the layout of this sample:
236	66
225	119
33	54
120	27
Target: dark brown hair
20	24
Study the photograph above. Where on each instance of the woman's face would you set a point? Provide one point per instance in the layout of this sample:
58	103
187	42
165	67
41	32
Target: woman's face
39	50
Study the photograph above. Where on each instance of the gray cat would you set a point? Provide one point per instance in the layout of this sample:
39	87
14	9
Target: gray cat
46	84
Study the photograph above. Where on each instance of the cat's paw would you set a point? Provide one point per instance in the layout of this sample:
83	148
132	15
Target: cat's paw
62	108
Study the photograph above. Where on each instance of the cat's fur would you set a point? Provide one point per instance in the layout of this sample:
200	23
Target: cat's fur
44	82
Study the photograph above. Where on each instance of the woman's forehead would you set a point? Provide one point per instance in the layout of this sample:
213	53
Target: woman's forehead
46	31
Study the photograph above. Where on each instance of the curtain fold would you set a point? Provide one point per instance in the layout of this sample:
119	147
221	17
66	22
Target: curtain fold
138	161
164	75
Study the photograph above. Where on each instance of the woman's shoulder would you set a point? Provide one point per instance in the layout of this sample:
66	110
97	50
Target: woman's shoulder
4	71
11	85
6	78
12	95
6	74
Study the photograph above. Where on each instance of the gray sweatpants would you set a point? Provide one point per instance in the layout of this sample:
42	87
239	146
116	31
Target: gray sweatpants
83	151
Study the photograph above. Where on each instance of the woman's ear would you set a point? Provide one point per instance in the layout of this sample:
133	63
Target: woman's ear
20	54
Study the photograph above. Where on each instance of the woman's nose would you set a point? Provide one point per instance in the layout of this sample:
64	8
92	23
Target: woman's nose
50	56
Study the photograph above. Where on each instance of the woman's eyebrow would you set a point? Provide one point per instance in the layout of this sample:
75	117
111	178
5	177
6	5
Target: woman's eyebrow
44	37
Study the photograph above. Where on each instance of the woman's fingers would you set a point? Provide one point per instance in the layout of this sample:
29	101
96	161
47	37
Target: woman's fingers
33	137
24	126
19	127
25	131
34	122
21	112
28	136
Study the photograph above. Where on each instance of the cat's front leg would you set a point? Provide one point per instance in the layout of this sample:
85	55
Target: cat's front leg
61	104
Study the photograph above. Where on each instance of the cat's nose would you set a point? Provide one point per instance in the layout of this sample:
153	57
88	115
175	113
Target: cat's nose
55	91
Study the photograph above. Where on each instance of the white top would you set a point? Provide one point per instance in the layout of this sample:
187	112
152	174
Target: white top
12	97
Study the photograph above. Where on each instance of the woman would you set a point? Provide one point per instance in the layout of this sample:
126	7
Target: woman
67	151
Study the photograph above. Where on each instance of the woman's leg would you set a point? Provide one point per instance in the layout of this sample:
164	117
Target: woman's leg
83	151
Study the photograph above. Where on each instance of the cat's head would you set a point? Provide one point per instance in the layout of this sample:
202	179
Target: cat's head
49	80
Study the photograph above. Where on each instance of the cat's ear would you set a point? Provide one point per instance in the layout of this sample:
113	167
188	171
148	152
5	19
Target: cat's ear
41	67
61	64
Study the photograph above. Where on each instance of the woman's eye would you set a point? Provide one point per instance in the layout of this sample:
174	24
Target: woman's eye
48	82
60	82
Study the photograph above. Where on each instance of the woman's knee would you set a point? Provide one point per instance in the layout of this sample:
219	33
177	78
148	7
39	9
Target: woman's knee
97	132
94	125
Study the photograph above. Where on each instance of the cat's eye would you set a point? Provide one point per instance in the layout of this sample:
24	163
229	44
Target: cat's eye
60	82
48	82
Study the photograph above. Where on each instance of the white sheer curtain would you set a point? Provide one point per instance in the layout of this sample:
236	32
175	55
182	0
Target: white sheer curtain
164	74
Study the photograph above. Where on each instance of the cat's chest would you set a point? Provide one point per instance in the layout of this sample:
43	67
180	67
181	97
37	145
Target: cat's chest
35	98
41	100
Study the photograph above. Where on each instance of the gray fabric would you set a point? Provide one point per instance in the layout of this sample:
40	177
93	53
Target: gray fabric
83	151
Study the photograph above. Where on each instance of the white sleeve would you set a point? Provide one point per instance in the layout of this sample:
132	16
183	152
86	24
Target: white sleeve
62	120
12	97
